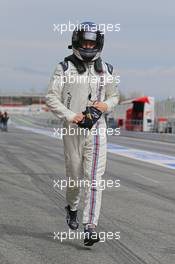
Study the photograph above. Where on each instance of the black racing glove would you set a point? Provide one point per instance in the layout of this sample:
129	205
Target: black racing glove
92	115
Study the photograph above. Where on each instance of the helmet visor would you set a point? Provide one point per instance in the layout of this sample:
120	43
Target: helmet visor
89	36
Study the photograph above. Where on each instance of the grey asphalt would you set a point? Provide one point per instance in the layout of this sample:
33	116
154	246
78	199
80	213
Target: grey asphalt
142	209
166	148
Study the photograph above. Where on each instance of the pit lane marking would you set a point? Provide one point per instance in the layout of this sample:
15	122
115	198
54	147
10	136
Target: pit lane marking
165	161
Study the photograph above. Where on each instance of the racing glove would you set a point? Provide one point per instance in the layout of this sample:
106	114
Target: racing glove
92	115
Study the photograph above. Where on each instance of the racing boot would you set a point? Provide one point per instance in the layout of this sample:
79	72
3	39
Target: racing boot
71	218
91	236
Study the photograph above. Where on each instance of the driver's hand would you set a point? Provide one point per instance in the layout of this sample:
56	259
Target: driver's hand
101	106
78	118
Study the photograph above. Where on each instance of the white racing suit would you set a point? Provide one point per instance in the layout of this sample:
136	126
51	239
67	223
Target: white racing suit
85	154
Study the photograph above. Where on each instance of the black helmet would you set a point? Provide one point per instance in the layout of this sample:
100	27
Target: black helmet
87	31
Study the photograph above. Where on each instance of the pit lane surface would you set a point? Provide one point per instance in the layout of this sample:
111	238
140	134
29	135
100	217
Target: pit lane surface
142	209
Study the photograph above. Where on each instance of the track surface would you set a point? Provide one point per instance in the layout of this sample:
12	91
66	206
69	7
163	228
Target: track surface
142	209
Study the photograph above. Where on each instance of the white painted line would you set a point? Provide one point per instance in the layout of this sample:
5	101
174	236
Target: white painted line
142	155
165	161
